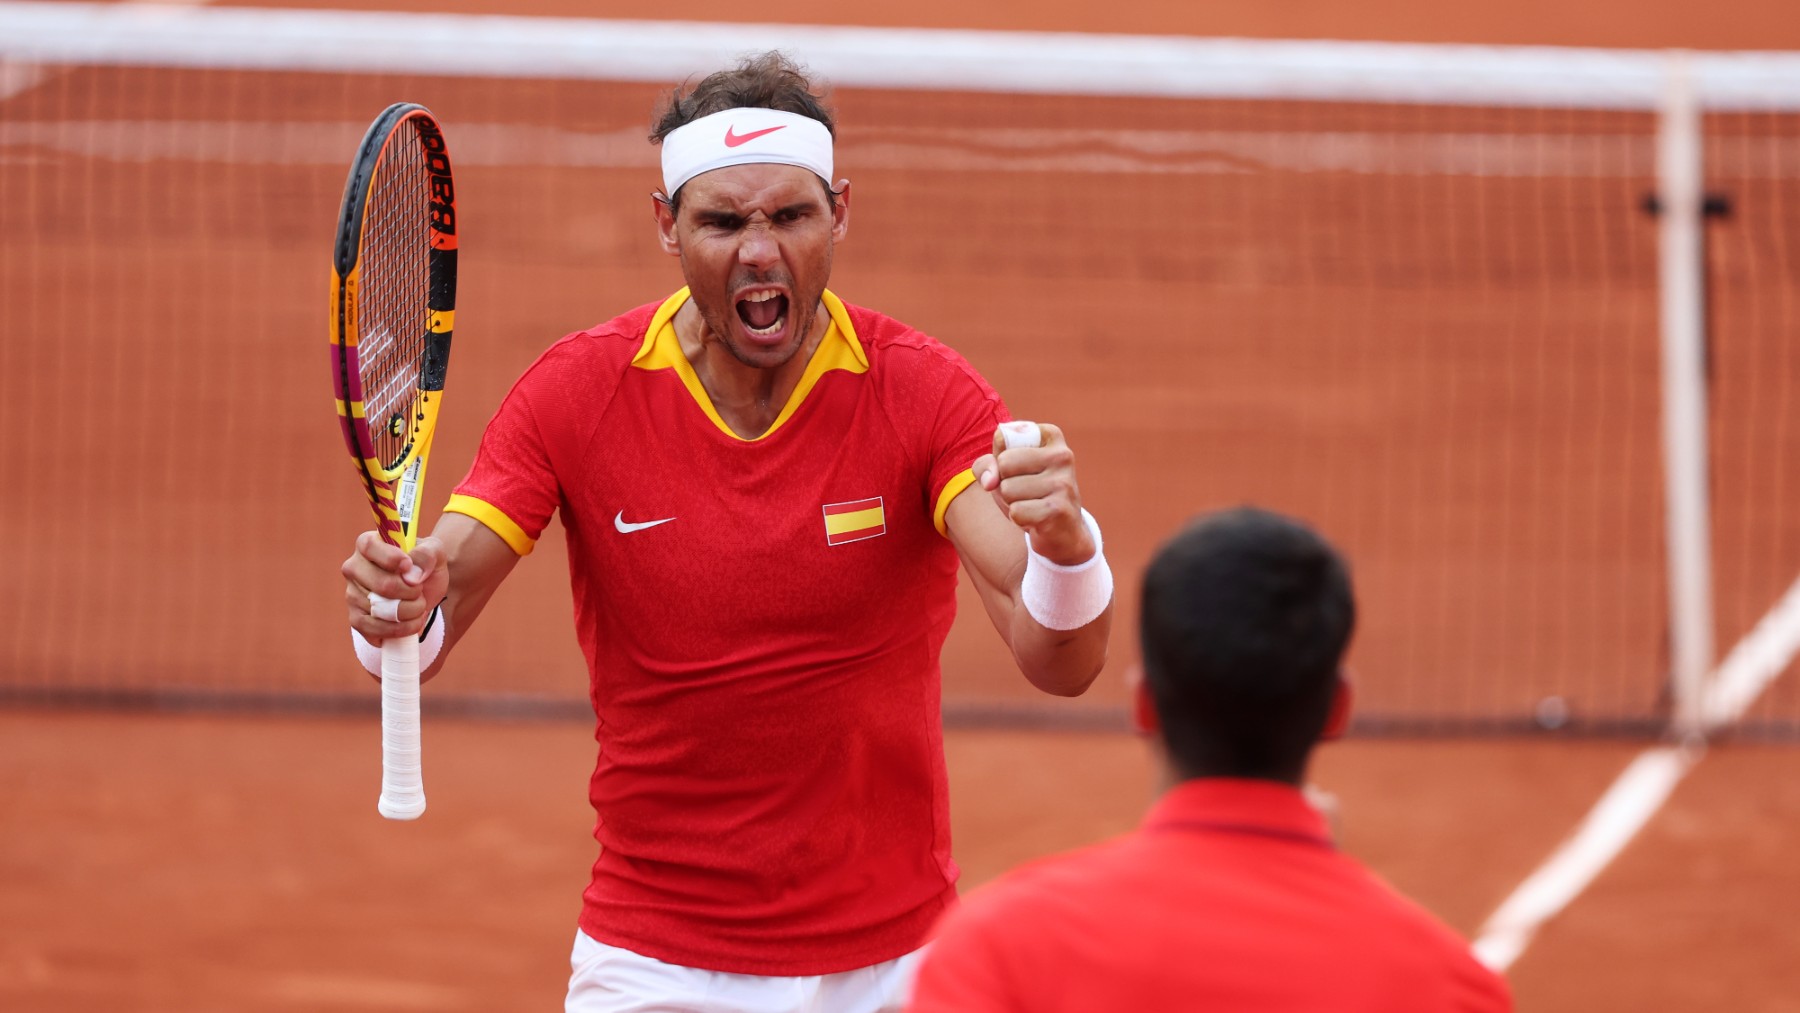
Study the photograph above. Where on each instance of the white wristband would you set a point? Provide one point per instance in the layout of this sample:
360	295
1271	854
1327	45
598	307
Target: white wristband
430	643
1067	597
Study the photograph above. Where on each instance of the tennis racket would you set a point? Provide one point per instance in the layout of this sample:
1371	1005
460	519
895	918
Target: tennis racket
393	304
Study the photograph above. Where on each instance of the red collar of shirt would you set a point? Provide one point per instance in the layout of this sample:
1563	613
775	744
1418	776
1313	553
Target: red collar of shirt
1228	805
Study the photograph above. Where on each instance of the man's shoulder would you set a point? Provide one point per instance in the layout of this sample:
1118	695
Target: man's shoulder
1052	908
901	353
1406	918
631	323
1426	947
603	348
568	385
623	335
887	338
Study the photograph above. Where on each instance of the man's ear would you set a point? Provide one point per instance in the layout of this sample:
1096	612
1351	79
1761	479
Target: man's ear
840	213
665	224
1143	710
1337	722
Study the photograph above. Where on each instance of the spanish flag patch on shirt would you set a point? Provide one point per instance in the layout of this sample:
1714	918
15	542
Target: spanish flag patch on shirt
854	521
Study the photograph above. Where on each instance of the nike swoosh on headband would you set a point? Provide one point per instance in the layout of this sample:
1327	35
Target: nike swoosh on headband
722	140
627	527
733	138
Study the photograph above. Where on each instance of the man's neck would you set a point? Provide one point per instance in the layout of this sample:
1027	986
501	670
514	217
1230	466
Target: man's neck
1169	775
748	399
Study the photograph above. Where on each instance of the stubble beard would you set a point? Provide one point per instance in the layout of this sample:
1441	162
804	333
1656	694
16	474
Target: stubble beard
802	311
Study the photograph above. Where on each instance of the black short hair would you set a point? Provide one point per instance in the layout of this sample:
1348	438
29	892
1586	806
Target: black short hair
770	80
1245	618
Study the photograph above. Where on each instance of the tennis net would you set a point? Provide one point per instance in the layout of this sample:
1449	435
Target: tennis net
1411	293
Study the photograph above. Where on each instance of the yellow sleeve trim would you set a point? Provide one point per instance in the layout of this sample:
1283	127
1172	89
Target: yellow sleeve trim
490	515
952	489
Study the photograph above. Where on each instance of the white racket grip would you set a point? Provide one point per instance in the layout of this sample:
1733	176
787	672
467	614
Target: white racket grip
402	781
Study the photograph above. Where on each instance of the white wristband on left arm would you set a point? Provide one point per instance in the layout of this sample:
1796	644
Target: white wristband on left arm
430	643
1062	597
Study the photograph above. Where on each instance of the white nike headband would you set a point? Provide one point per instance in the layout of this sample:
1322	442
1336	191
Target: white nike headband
744	137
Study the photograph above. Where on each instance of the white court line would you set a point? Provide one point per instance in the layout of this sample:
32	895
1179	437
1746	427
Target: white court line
1640	791
1635	797
1754	662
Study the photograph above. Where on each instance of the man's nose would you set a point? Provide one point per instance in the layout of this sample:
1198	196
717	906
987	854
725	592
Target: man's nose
758	248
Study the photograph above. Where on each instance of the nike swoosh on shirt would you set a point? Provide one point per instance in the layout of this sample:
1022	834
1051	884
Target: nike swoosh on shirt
627	527
733	138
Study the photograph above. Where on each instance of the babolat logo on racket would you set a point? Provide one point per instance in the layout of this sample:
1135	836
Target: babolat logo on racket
443	191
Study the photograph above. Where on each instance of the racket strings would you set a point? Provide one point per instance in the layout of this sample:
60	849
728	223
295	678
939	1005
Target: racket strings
393	315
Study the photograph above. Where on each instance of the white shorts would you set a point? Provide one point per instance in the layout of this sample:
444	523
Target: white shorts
608	979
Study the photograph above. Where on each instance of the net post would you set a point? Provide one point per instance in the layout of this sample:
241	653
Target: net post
1684	416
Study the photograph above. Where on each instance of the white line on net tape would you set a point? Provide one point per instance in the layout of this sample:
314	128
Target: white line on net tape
1057	63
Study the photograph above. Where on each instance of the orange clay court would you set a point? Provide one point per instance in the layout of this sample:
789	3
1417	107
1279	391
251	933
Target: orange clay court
163	859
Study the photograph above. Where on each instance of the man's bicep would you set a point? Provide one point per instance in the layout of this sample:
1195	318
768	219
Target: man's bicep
991	546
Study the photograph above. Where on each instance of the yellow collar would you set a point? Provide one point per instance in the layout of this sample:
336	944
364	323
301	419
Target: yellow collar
839	349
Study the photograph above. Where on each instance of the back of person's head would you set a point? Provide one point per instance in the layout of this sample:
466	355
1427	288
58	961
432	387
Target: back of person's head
1246	616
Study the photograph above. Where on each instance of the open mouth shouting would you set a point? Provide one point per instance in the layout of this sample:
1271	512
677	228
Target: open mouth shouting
764	314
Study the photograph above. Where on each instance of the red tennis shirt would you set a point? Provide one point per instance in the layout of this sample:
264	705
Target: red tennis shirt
762	621
1229	897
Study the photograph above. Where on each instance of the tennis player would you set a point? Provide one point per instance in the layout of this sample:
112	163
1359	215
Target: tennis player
1231	894
766	491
